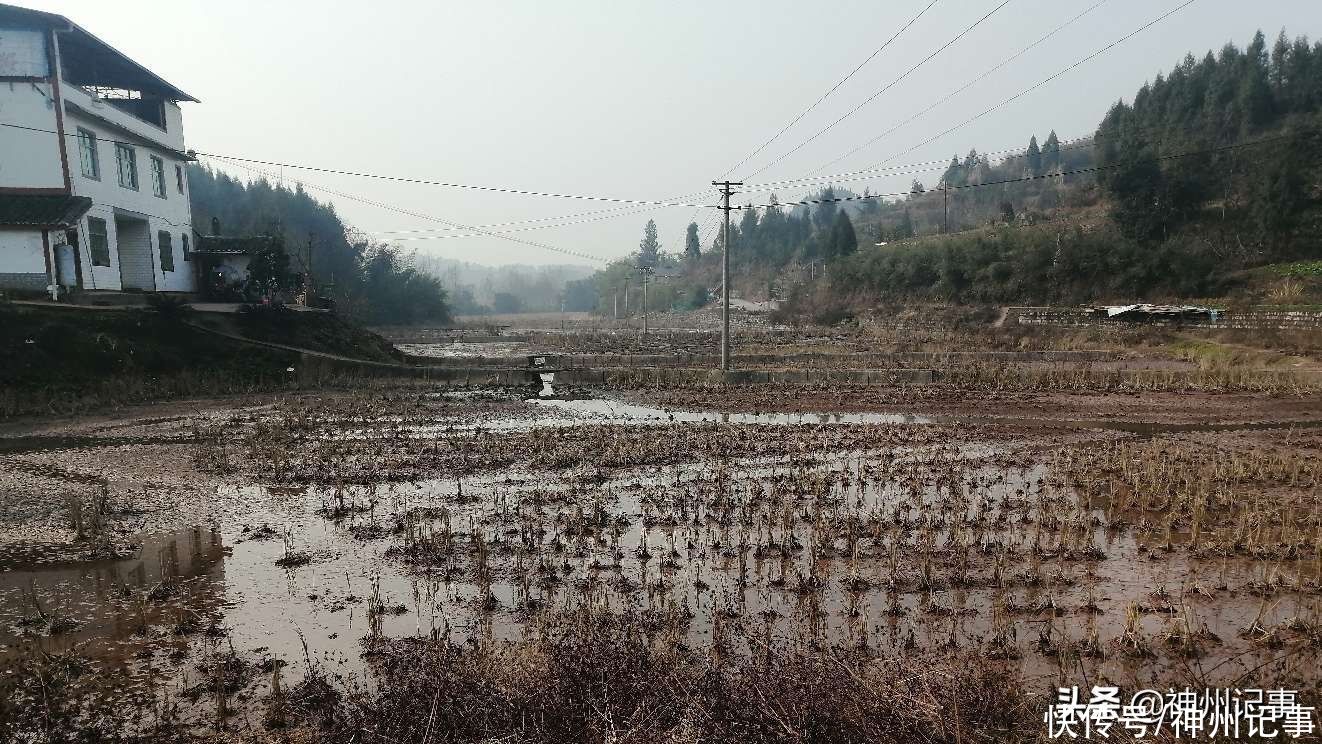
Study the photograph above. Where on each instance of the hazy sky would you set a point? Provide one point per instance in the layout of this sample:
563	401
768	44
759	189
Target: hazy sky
629	99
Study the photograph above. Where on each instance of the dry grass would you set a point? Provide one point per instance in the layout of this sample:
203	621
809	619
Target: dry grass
590	678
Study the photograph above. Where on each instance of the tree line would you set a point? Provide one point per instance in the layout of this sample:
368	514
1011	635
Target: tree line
1210	170
370	281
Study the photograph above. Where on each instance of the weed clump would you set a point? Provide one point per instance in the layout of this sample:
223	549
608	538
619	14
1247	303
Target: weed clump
604	678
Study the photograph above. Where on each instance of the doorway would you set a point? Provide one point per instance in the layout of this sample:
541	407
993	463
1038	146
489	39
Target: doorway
136	269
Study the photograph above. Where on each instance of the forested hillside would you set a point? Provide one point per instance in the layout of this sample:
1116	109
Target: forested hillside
370	281
1211	170
1236	133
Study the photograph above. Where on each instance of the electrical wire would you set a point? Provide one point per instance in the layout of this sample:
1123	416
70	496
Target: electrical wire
880	166
1049	78
417	181
446	184
452	233
1039	177
540	223
884	88
941	164
431	218
828	93
967	85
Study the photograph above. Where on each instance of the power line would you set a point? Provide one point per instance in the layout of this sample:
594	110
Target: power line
929	166
1055	174
884	88
611	211
832	89
417	181
476	230
924	166
433	218
879	166
967	85
546	224
819	101
445	184
714	218
705	234
1047	79
449	234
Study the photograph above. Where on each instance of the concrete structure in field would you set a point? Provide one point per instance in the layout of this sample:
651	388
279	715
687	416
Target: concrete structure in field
93	188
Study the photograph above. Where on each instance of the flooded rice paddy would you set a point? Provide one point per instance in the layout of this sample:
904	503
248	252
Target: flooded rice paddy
317	529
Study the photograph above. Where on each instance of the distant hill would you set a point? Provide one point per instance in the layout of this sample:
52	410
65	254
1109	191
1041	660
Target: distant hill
476	289
1213	169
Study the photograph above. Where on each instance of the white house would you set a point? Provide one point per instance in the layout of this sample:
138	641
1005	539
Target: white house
93	189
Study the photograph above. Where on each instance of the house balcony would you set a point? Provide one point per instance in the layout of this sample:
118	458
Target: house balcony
149	118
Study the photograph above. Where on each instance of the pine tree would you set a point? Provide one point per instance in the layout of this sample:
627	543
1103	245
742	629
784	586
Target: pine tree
748	230
1280	63
905	228
953	176
1033	158
870	203
843	241
692	243
1051	153
649	248
824	214
1254	100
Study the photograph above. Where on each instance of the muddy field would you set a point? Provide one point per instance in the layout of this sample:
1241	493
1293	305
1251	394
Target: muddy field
286	565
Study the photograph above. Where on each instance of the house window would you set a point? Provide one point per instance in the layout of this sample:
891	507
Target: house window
157	176
187	251
98	242
167	250
87	154
127	159
179	177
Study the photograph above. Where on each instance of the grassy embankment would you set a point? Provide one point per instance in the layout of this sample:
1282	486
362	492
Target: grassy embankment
69	360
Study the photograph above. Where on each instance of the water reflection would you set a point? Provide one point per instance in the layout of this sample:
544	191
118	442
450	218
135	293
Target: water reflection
613	410
95	605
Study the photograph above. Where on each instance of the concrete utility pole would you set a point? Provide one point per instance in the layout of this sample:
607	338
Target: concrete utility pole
726	190
643	275
945	209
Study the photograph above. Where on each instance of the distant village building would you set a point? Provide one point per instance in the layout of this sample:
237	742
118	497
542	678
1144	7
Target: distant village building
93	185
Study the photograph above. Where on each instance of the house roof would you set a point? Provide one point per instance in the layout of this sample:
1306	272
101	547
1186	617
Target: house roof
1150	309
87	60
42	210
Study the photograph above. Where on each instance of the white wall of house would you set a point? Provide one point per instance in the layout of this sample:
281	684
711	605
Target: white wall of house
98	276
169	213
22	259
21	252
30	159
171	136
